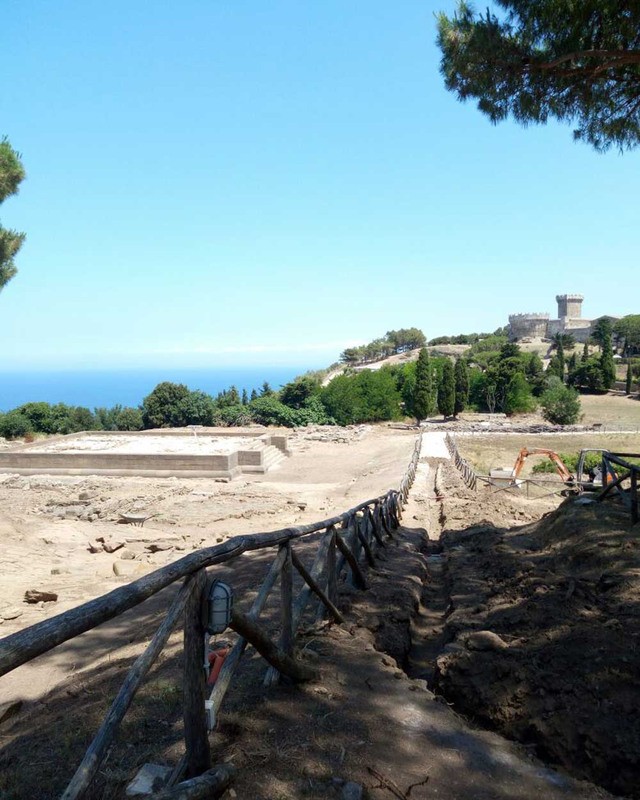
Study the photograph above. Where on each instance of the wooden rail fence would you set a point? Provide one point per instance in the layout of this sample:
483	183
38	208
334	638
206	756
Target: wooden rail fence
347	543
468	473
616	471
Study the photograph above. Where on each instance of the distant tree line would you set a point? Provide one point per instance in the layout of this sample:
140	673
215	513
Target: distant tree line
493	375
465	338
391	344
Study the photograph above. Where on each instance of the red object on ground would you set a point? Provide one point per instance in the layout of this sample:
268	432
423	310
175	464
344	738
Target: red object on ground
216	660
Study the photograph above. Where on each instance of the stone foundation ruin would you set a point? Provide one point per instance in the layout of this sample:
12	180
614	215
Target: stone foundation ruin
206	453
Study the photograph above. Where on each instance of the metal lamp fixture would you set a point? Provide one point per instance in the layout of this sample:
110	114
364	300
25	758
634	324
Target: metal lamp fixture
217	607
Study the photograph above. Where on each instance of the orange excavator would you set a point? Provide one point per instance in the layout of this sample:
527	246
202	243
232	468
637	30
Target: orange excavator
559	464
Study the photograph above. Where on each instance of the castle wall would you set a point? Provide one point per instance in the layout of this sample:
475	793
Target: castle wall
569	320
528	325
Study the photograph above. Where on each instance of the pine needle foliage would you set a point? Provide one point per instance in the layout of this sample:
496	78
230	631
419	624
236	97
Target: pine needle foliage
11	175
577	62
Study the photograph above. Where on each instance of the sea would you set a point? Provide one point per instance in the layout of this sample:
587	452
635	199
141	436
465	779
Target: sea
128	387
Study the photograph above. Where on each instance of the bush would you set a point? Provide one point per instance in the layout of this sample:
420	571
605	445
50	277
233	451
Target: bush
269	410
40	415
129	419
561	405
297	392
198	408
518	399
233	416
162	409
13	425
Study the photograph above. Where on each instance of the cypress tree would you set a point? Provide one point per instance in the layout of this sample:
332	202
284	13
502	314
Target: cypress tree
629	378
561	360
245	398
572	365
607	364
447	391
423	392
585	352
461	385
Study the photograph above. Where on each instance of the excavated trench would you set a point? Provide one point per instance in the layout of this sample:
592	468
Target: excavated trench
528	625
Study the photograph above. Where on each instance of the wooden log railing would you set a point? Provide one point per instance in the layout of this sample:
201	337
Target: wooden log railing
469	475
616	471
347	543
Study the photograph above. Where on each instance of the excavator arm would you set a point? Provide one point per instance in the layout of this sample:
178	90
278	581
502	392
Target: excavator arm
564	473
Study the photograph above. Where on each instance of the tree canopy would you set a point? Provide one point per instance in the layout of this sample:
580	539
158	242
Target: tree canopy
628	328
577	62
11	175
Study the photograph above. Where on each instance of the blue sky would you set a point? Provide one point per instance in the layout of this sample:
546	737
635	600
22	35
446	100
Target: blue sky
253	183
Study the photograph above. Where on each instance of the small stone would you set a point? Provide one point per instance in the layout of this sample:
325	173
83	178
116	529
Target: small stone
127	555
37	596
125	569
111	545
156	547
11	613
60	571
351	791
150	778
485	640
94	547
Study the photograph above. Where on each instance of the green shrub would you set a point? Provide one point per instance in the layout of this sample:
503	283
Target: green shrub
296	393
518	398
561	405
162	407
14	425
198	408
366	396
129	419
233	416
40	415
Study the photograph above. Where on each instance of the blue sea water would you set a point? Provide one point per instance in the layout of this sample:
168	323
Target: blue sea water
106	388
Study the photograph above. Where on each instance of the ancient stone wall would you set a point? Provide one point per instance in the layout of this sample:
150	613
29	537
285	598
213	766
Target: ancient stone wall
528	325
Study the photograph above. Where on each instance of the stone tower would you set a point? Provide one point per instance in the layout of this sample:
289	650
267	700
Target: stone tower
569	306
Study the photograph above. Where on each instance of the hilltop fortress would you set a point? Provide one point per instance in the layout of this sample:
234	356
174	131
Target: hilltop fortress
541	326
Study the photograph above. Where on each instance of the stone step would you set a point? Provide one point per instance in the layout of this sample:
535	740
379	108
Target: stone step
270	456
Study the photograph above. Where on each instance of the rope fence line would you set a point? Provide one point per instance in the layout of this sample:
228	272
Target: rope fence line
347	544
469	475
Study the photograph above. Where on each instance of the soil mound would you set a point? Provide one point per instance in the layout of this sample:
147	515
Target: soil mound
542	629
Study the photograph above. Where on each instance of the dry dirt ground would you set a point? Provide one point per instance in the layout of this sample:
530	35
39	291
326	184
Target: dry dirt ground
534	582
50	522
534	626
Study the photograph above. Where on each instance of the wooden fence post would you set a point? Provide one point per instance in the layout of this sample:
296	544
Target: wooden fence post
195	721
286	602
332	575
